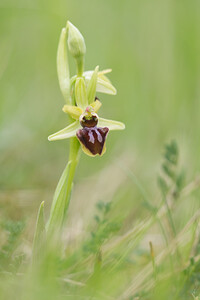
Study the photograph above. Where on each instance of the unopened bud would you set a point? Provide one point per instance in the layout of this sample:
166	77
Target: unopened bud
76	41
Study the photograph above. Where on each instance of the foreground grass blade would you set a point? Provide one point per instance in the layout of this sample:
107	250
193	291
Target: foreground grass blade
40	233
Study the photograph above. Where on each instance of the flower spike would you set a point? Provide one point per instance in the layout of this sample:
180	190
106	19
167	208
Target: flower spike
90	129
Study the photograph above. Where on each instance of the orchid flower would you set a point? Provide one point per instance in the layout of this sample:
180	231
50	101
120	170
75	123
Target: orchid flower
88	127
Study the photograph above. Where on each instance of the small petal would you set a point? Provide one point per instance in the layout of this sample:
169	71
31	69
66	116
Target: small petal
92	140
80	93
96	105
106	71
65	133
91	89
73	111
111	124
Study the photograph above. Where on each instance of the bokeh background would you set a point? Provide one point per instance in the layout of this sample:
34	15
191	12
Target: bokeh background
153	48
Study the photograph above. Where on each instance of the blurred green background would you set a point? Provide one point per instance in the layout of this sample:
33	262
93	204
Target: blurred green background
153	48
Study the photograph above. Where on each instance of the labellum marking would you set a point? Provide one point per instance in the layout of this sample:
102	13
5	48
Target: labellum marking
91	136
99	137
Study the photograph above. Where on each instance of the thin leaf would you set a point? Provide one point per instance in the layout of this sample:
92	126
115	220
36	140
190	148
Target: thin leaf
63	190
40	234
59	199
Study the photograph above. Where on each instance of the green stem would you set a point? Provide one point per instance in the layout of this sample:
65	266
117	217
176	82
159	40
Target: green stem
73	160
80	66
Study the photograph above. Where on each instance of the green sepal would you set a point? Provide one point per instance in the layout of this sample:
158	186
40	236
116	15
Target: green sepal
40	234
111	124
63	66
67	132
80	93
91	89
104	85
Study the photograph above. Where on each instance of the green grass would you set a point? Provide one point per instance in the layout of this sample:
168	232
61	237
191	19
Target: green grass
153	49
148	251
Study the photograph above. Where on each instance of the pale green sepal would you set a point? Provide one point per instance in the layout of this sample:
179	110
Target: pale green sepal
40	234
59	202
103	77
104	86
63	66
65	133
73	111
76	41
103	83
80	93
111	124
91	89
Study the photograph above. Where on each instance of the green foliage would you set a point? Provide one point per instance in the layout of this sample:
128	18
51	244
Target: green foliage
9	261
40	235
111	260
105	228
173	178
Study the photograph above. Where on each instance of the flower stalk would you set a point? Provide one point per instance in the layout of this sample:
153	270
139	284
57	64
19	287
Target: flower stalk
85	128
